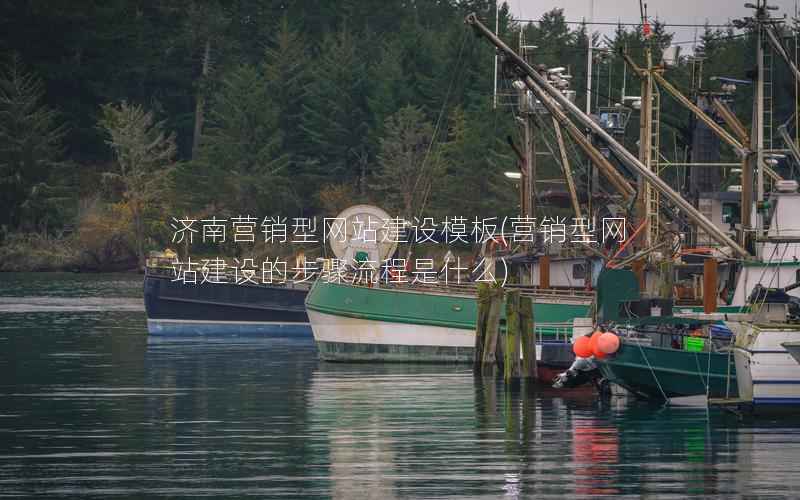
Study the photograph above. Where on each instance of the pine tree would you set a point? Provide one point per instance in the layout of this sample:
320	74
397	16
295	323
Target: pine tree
286	68
474	156
241	154
32	173
335	117
389	91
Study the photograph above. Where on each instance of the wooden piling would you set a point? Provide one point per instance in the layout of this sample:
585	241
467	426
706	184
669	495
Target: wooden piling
709	285
480	324
489	361
528	337
511	362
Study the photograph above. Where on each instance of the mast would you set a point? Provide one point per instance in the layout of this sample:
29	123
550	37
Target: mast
589	60
542	89
496	32
643	204
591	177
759	118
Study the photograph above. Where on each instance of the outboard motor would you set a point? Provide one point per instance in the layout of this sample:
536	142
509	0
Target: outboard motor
582	371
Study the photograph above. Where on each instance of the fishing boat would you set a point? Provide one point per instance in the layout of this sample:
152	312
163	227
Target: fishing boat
656	368
232	302
686	360
661	355
225	307
426	324
768	376
765	349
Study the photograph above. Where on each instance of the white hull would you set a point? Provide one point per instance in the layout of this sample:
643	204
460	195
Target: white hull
330	328
766	372
342	330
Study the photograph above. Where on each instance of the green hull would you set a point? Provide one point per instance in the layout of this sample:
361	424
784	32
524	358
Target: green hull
411	326
553	316
655	372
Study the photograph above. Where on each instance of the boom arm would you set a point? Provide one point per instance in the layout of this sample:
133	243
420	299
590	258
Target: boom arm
544	91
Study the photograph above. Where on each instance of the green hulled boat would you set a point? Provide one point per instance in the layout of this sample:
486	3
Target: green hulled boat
662	357
660	373
419	324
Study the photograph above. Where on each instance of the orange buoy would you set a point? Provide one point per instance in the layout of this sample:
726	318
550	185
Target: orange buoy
596	352
581	347
608	343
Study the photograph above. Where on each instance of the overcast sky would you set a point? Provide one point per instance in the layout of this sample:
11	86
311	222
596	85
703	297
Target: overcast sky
627	11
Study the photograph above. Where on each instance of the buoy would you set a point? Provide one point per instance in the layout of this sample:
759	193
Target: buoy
596	352
581	347
608	343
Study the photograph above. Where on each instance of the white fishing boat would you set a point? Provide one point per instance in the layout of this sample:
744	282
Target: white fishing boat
767	373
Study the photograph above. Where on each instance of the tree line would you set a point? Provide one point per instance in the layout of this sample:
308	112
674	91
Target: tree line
117	115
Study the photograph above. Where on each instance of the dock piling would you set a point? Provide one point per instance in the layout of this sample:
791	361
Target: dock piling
491	348
528	336
492	332
511	362
484	294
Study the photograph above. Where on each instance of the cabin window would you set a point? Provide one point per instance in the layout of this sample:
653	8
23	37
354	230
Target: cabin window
797	276
730	213
579	271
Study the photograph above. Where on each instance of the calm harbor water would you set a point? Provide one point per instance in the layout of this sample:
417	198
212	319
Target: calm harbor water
89	408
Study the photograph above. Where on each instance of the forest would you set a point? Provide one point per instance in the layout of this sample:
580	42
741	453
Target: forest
118	115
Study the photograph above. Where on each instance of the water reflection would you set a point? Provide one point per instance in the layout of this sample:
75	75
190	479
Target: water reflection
90	407
399	431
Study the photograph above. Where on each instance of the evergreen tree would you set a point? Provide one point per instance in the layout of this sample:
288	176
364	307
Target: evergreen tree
475	157
242	162
32	173
335	116
287	67
388	91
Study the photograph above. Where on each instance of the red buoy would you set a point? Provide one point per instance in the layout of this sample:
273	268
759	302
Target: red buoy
581	347
608	343
596	352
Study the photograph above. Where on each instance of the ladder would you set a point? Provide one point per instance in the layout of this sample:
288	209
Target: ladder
653	163
768	91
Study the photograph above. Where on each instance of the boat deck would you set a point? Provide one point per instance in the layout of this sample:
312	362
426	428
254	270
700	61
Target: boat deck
738	406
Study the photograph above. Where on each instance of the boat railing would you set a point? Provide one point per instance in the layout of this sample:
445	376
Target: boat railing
471	289
228	276
558	331
699	340
168	267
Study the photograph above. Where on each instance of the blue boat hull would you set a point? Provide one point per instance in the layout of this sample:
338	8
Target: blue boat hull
219	309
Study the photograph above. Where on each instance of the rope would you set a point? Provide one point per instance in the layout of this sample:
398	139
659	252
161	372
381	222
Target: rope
700	373
757	307
456	73
655	377
708	370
